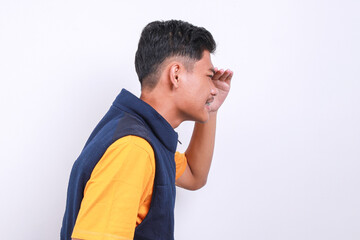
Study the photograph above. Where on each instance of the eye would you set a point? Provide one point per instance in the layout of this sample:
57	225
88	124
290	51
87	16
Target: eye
210	76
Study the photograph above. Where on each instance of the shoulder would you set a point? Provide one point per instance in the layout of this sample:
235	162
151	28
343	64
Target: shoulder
129	124
128	155
132	141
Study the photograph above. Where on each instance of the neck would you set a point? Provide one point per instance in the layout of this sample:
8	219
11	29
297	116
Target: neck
162	103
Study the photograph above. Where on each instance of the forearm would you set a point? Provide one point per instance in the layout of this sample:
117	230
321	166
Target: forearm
200	151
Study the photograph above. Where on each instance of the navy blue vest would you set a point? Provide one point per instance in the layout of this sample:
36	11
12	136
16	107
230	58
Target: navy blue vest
130	116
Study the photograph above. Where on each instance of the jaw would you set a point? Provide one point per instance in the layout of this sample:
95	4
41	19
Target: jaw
200	115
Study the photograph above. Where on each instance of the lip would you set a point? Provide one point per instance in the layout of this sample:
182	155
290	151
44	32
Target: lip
207	106
209	101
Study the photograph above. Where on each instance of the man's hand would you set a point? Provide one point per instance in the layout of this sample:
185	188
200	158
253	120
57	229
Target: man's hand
221	80
200	151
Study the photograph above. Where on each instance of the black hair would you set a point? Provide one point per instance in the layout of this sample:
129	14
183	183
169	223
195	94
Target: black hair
162	39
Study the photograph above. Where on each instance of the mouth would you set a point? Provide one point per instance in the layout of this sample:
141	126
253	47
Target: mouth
209	101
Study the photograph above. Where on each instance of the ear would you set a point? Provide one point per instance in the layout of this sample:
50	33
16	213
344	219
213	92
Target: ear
174	74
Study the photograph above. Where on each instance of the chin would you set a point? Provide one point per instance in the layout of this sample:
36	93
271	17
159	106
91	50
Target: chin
203	119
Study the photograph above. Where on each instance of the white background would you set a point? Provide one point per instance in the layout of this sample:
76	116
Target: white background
287	157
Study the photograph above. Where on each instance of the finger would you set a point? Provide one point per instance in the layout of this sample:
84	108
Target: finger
228	79
230	75
225	75
218	74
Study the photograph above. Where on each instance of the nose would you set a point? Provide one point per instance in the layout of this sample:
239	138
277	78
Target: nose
213	90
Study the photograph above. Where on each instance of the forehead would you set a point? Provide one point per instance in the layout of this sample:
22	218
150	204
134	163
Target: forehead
204	63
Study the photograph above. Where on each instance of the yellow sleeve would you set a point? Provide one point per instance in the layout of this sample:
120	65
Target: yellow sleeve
181	163
114	191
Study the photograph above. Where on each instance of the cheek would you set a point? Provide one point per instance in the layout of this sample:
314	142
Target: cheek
195	90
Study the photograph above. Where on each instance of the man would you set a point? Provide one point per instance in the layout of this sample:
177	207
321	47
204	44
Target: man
122	186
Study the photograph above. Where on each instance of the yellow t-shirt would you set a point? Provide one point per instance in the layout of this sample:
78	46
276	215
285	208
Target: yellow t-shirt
118	194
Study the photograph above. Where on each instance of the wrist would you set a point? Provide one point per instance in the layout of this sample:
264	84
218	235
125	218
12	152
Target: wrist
212	114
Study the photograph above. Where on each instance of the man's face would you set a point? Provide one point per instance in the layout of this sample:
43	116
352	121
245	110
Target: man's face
197	90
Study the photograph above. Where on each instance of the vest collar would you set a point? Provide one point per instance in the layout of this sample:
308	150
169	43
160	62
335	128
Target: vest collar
159	126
